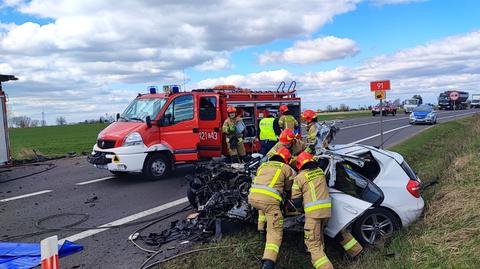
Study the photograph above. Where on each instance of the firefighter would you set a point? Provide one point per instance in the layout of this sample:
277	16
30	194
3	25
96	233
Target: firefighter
310	117
234	140
269	130
273	179
288	139
310	191
287	121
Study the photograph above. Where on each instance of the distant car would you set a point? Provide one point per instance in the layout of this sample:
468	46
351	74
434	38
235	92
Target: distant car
388	108
423	114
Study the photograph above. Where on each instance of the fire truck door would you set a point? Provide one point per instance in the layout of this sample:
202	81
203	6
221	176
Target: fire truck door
209	123
178	124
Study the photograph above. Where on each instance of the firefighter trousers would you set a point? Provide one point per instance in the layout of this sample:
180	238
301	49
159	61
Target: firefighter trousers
274	219
314	241
262	221
238	151
349	243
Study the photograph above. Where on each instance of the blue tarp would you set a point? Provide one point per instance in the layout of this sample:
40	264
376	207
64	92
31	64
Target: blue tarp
27	255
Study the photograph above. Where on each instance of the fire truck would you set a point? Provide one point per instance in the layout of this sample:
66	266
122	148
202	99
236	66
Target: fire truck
158	130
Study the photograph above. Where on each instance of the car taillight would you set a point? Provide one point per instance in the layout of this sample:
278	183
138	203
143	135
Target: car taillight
413	187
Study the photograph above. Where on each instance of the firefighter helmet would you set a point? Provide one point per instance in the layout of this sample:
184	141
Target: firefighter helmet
287	136
231	109
284	153
283	108
304	158
308	115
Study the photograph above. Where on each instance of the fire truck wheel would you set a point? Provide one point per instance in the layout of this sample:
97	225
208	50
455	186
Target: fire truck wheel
156	167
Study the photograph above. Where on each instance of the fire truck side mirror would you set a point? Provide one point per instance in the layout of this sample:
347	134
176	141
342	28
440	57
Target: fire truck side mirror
148	120
118	116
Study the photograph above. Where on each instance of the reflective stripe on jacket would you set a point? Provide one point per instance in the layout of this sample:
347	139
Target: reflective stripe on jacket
312	186
272	179
267	132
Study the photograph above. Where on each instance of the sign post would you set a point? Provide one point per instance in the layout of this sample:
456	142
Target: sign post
380	88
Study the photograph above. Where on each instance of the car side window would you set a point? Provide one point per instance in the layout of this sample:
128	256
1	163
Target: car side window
181	109
208	109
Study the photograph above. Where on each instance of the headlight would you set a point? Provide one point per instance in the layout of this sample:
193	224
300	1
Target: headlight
430	115
132	140
412	116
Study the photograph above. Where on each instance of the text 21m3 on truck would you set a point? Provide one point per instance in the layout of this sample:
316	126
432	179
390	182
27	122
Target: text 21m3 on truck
158	130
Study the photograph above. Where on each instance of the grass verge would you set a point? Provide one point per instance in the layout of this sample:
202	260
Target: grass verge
53	140
446	236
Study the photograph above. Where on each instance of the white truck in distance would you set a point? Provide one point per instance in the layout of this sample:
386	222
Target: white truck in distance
410	104
475	101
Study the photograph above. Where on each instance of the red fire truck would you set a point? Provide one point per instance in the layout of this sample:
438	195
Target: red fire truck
158	130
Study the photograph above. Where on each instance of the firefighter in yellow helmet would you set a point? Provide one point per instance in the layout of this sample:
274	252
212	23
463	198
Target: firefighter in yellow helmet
234	139
288	139
287	120
310	117
273	179
310	190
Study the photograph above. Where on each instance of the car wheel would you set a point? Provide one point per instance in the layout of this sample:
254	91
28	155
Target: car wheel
156	167
375	224
373	114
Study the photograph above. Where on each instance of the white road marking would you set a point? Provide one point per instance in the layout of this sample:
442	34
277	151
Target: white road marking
25	195
401	118
124	220
93	180
376	135
405	126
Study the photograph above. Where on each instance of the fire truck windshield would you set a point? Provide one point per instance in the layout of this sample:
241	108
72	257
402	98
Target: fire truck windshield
139	109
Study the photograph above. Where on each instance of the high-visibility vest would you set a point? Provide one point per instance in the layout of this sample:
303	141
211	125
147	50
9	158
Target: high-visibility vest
266	129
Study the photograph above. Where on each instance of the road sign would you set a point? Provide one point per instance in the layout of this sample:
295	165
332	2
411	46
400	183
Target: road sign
454	96
380	95
380	85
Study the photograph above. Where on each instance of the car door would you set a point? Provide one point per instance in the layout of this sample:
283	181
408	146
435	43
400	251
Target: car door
345	210
209	122
178	122
351	198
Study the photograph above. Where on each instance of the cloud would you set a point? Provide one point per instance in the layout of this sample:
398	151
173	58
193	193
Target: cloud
449	63
312	51
87	45
214	65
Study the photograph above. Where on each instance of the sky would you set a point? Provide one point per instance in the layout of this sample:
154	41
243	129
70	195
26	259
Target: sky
82	59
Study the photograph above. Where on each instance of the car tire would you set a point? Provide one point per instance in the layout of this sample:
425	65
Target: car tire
373	114
157	166
374	224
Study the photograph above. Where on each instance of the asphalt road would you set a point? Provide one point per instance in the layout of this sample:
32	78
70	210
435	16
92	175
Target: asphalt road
74	186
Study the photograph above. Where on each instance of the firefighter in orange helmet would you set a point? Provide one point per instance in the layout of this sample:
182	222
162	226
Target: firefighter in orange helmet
287	120
273	179
310	117
288	139
310	191
234	139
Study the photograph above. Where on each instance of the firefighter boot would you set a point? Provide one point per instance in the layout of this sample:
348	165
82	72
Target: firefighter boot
267	264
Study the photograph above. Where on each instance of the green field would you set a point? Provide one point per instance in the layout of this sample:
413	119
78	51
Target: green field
446	236
53	140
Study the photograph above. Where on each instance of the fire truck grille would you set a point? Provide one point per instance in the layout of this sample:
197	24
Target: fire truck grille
105	144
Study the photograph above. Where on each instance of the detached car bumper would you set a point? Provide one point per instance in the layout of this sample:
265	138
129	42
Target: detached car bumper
124	159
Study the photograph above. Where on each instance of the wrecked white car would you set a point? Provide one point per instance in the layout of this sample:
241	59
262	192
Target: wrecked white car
374	192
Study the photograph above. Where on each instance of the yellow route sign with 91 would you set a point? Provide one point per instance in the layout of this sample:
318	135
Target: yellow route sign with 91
380	95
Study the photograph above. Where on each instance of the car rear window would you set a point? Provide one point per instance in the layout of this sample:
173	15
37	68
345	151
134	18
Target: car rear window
411	174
